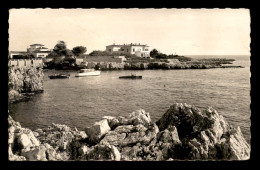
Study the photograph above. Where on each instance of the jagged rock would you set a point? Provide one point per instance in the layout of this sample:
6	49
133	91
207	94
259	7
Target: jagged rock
142	135
51	154
13	123
235	147
140	117
183	132
166	142
58	136
123	121
13	157
113	138
13	95
83	150
39	131
102	152
201	133
116	136
26	139
11	130
130	135
59	127
169	135
23	79
36	134
116	153
79	135
36	154
112	121
98	130
62	144
130	153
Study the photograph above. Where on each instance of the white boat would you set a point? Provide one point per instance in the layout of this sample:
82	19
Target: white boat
87	72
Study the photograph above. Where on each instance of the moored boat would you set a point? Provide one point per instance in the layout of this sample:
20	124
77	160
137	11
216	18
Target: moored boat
59	76
87	72
133	76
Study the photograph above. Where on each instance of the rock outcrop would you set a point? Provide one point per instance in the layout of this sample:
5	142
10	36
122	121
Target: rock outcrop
22	80
182	133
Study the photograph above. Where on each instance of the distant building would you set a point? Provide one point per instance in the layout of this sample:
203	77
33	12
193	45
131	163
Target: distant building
35	47
136	49
37	50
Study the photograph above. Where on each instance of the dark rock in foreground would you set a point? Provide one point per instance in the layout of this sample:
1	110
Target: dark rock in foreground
182	133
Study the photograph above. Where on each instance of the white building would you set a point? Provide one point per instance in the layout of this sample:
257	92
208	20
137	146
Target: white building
136	49
37	50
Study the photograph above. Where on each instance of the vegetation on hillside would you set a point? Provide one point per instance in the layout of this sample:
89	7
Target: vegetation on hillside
158	55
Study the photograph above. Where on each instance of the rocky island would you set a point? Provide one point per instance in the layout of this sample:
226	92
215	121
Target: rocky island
184	132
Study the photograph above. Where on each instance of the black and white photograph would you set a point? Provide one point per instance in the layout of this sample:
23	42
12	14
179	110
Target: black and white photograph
129	84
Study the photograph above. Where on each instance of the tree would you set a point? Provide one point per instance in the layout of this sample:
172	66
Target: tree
60	48
52	55
79	50
161	55
67	53
99	53
154	53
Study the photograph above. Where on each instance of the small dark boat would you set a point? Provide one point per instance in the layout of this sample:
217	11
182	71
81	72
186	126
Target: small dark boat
131	77
59	76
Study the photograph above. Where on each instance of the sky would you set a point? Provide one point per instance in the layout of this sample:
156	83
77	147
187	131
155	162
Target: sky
180	31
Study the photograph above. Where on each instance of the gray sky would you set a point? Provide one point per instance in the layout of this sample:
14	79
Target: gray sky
184	31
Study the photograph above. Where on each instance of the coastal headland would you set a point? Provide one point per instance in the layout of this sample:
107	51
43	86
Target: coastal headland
134	63
184	132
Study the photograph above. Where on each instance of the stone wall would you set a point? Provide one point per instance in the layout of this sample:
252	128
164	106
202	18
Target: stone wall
25	62
24	79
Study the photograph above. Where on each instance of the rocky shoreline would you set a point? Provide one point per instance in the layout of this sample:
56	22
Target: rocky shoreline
24	82
182	133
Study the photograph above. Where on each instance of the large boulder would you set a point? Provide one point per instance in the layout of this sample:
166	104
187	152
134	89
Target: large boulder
129	135
26	138
98	130
169	135
51	153
234	146
116	136
36	154
204	134
140	117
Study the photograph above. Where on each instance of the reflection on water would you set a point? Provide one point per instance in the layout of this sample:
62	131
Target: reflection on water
78	102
